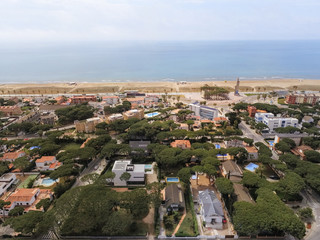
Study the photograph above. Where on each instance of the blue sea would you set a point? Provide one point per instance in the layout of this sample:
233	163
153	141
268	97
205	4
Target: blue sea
158	61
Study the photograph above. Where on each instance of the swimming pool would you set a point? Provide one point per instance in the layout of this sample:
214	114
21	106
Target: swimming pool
149	115
148	166
217	146
271	143
251	167
172	179
47	182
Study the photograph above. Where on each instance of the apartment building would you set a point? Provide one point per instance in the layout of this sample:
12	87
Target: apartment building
302	98
204	112
134	113
88	125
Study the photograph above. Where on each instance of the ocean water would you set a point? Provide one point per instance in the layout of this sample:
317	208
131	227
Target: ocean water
154	61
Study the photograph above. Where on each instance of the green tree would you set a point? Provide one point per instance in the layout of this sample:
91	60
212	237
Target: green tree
225	186
312	156
22	163
125	176
26	223
291	184
305	213
261	126
250	179
117	224
283	146
45	203
90	178
184	174
17	211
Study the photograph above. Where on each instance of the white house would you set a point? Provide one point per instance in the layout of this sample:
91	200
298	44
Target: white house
136	171
21	197
46	163
211	209
6	182
112	100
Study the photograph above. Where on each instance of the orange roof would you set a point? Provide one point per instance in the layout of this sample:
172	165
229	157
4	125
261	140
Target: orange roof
55	165
135	99
206	121
106	97
45	159
217	119
181	143
261	111
12	155
22	195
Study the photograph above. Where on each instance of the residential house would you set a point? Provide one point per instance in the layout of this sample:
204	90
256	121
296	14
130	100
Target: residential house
211	210
11	111
6	181
296	137
136	171
139	145
307	119
134	113
82	99
174	199
299	151
88	125
137	100
48	119
183	126
219	120
114	117
12	156
252	153
112	100
183	144
46	163
26	198
151	98
234	143
230	170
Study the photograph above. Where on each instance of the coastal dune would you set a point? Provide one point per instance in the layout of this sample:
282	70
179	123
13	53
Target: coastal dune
158	87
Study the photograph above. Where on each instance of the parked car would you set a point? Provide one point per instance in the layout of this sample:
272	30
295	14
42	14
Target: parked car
274	177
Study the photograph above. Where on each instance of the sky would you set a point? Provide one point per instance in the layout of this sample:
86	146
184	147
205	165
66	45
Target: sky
158	20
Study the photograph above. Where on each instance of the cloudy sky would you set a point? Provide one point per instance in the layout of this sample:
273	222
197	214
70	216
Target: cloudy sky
87	20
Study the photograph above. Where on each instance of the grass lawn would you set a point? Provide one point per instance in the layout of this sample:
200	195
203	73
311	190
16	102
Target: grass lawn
188	226
24	184
71	146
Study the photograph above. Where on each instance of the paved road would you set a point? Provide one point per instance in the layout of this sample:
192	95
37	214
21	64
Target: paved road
95	166
312	200
250	133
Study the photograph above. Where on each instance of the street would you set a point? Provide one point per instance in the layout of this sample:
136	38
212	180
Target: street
250	133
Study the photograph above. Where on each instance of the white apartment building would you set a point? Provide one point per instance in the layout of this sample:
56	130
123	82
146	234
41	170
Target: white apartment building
276	122
204	112
6	182
136	171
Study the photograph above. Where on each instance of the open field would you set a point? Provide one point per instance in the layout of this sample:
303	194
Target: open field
150	87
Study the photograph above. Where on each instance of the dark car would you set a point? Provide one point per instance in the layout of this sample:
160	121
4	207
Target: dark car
274	177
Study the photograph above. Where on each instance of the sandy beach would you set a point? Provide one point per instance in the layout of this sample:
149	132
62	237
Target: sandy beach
156	87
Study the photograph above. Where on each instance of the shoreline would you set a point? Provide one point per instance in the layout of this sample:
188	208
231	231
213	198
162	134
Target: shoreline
265	85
